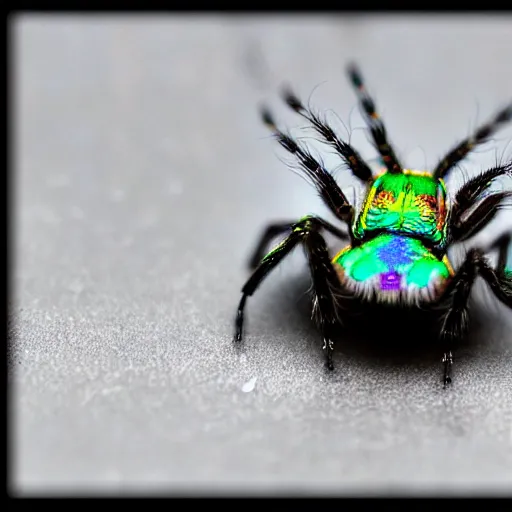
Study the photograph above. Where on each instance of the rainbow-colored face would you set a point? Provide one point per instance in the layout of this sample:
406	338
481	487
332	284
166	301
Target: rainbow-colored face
411	203
395	267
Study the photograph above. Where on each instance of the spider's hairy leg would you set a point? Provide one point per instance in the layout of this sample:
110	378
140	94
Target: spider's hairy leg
456	297
503	244
481	135
500	280
348	154
275	229
374	121
321	178
325	280
470	213
462	229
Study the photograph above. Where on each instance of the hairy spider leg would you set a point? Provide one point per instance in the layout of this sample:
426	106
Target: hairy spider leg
275	229
348	154
455	322
320	177
472	210
481	135
374	121
326	285
503	245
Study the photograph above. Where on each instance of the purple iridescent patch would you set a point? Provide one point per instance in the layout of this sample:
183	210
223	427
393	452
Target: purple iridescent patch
396	252
390	281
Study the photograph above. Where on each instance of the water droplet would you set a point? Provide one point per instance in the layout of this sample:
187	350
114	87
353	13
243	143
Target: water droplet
249	386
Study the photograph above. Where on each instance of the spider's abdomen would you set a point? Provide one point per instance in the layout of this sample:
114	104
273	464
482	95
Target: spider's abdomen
392	268
410	203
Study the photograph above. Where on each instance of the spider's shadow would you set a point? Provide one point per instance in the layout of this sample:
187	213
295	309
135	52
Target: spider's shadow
374	334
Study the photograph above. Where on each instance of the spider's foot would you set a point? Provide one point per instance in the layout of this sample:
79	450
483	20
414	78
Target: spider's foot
448	363
238	326
329	346
237	338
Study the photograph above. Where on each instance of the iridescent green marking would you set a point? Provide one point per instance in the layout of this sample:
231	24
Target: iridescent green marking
508	264
299	226
410	203
398	262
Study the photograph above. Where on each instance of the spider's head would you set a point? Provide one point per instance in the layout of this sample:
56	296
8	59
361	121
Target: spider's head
411	202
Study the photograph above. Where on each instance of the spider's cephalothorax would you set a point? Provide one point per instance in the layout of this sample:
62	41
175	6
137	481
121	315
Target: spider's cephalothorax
400	237
398	241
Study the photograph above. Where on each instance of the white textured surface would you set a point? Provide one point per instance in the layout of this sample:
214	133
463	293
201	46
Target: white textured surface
142	178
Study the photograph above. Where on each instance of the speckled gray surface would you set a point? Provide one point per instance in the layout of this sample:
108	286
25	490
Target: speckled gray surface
143	176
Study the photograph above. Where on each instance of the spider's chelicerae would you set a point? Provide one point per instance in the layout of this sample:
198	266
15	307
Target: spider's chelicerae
399	239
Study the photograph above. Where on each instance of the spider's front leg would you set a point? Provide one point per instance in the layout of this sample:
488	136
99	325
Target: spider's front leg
326	285
456	297
275	229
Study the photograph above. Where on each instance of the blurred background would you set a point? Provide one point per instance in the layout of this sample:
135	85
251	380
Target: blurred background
142	177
